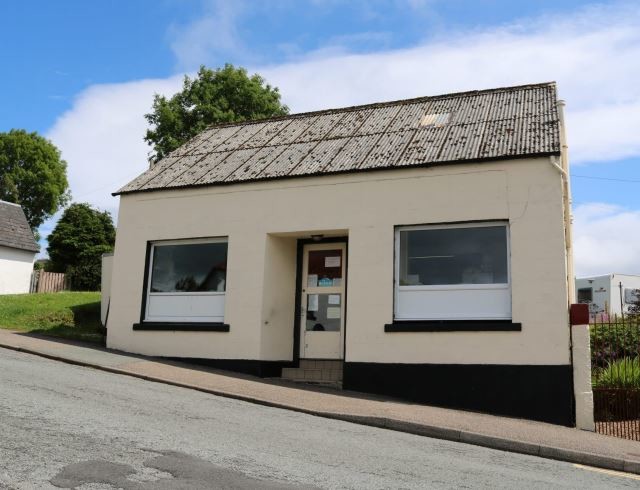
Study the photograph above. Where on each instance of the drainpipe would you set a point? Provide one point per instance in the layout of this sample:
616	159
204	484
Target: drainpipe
579	343
563	168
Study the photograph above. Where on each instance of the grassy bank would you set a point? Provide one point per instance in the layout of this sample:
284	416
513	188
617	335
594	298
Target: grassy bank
69	314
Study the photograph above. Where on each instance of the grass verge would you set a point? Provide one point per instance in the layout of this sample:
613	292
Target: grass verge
68	314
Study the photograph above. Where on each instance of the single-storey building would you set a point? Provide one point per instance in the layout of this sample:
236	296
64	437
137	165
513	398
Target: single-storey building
18	249
418	248
609	294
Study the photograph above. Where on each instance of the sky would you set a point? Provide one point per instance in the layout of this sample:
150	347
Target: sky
84	74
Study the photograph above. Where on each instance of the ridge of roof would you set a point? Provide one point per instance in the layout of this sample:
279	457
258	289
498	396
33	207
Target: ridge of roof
389	103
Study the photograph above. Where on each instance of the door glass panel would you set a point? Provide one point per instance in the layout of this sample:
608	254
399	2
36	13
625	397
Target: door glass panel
324	312
325	268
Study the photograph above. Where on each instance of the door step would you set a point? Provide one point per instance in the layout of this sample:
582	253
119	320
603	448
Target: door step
326	373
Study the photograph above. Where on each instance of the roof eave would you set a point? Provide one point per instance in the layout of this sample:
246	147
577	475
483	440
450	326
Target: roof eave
35	249
345	172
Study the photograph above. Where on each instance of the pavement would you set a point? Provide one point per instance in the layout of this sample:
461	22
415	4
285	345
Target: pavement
502	433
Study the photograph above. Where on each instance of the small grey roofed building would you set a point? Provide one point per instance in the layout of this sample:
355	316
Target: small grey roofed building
503	123
14	228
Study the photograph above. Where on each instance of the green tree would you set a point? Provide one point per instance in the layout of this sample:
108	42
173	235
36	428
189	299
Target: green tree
223	95
32	174
77	243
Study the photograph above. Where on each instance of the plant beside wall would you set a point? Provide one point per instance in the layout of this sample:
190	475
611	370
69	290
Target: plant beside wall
616	393
613	341
77	243
622	373
615	374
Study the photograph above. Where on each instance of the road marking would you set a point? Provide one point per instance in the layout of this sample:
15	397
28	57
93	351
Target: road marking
609	472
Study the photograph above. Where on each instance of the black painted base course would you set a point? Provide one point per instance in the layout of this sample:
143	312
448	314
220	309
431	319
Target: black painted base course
543	393
262	369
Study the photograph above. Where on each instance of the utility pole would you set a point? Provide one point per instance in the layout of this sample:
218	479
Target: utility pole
621	302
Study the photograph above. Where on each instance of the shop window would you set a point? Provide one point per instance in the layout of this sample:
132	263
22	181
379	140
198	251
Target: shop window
453	272
187	281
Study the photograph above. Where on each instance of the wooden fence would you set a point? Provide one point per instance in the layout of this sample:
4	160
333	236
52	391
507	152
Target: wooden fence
47	282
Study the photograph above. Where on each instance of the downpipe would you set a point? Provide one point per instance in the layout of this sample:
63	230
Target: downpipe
562	165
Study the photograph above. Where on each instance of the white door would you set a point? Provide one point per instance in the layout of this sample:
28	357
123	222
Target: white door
322	308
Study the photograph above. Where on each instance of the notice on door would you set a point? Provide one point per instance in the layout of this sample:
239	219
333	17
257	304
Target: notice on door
312	302
332	261
312	281
333	312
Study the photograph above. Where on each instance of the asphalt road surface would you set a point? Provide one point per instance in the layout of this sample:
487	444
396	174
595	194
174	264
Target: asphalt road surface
64	426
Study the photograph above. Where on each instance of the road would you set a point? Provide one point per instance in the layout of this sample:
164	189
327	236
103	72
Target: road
64	426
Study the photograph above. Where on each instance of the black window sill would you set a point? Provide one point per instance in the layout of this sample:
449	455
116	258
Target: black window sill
453	326
182	326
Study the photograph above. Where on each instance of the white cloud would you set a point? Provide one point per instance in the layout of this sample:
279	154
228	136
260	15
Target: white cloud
592	54
606	239
593	57
213	35
604	132
101	137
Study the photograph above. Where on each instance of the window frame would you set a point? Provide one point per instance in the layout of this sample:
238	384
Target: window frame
148	319
588	288
397	288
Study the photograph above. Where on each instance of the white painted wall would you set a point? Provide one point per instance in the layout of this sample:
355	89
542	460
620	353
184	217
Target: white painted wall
582	390
263	219
16	267
105	286
606	291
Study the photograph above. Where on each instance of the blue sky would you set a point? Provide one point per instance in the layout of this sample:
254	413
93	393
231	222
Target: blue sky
60	48
84	73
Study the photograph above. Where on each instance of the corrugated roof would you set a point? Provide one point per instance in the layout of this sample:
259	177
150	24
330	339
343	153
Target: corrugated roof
482	125
14	228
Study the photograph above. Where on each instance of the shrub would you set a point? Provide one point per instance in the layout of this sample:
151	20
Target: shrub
85	276
610	342
621	373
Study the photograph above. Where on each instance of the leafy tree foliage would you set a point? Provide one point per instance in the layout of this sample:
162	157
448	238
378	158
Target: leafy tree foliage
32	174
223	95
77	243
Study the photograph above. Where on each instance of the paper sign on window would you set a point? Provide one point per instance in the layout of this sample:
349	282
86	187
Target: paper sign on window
325	282
334	299
333	312
332	261
312	302
312	280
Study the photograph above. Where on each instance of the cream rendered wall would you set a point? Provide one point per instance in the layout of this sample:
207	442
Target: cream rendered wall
105	286
278	289
262	220
16	267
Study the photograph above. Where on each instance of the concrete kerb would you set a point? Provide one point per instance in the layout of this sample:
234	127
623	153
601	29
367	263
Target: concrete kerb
436	432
